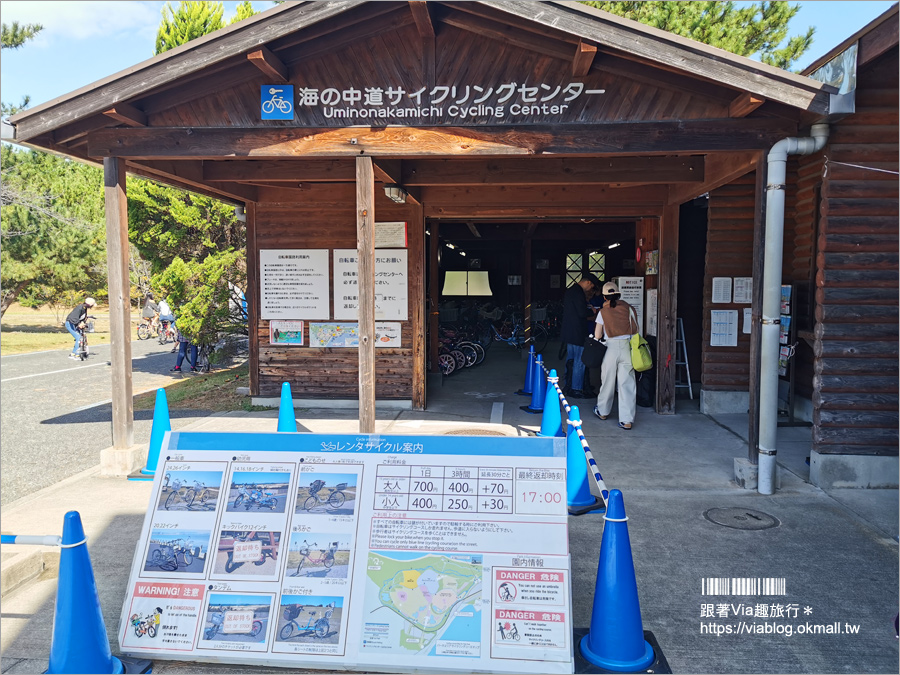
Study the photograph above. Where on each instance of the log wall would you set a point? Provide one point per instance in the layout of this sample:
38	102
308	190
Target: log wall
856	317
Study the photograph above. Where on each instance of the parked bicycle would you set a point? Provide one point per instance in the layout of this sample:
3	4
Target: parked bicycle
333	500
198	494
326	559
218	619
319	627
165	556
512	331
256	497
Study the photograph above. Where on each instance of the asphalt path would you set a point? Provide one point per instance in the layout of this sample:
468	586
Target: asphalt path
56	415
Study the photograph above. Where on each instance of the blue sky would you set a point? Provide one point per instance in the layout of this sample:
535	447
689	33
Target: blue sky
85	41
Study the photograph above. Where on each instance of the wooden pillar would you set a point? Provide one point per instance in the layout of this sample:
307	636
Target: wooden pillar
759	250
365	246
668	310
119	301
253	297
526	285
434	294
417	295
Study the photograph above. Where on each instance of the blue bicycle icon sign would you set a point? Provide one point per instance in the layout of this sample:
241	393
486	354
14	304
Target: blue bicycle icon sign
276	102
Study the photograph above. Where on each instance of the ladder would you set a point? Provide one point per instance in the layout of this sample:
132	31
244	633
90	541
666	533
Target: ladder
681	359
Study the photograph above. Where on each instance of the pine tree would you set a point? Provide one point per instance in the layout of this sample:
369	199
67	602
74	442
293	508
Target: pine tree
14	36
244	11
191	20
755	30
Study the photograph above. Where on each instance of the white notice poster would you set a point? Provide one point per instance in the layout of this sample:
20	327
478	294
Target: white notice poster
652	309
391	285
390	235
293	284
743	290
723	328
632	289
747	321
721	290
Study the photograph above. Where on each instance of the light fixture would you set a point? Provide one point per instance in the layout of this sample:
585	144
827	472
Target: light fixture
466	283
395	193
449	245
612	246
240	213
462	253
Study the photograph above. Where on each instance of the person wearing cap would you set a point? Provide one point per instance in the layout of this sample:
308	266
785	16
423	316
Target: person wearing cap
76	320
616	320
576	311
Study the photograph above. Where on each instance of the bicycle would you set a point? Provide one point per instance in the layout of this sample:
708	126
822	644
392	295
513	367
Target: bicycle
167	332
146	625
203	353
83	351
326	559
284	106
262	500
507	633
199	493
512	332
320	627
218	619
148	327
165	556
335	499
505	594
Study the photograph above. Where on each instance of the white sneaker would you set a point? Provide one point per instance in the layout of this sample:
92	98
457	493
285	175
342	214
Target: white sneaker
74	357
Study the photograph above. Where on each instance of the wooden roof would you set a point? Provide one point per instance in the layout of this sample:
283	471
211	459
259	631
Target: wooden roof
180	116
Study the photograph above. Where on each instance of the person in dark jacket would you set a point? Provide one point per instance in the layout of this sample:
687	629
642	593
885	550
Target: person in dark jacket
576	313
76	319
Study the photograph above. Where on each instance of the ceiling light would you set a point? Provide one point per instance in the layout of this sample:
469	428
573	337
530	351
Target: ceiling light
449	245
612	246
462	253
395	193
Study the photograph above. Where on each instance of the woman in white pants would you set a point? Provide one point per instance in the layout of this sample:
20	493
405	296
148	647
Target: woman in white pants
617	321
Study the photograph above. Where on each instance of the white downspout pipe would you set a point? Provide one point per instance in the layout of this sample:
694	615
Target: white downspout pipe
771	300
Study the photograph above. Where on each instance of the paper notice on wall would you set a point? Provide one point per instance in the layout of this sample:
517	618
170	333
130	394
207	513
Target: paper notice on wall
723	328
721	290
743	290
652	308
390	235
293	284
632	290
748	319
391	284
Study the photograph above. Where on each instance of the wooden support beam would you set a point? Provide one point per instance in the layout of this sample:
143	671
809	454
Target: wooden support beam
425	26
365	245
278	171
720	169
79	129
270	65
190	173
554	171
253	297
422	17
530	229
668	311
119	302
124	113
434	294
473	228
744	104
418	313
584	58
388	171
663	138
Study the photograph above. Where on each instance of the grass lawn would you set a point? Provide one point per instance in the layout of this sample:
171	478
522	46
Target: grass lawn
216	391
33	330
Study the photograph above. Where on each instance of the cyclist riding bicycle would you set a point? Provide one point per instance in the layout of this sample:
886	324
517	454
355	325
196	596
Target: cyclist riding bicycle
77	319
150	313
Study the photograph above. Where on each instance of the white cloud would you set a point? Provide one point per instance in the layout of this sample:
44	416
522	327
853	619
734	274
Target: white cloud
82	20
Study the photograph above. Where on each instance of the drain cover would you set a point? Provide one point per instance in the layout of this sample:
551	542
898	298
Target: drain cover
741	519
473	432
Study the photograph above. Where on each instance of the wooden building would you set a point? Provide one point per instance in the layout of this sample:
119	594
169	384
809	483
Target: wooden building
532	120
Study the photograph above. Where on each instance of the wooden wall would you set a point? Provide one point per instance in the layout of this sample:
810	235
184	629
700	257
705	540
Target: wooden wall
729	253
333	372
856	330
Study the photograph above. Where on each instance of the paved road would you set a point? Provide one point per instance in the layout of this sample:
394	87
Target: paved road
56	415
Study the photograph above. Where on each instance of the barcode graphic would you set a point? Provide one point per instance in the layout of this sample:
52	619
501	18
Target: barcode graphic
743	586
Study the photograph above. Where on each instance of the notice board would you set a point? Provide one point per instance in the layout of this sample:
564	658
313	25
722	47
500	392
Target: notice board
355	552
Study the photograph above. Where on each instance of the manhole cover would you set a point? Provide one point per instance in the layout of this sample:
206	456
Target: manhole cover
473	432
741	519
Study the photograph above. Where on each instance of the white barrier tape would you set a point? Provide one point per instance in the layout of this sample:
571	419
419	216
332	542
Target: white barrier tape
616	520
37	539
83	541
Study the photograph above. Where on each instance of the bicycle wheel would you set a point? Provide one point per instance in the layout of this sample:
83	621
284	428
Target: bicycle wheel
257	628
143	331
329	561
459	357
336	499
210	632
539	337
169	564
230	565
138	631
156	558
271	503
238	501
202	497
151	631
188	558
162	337
189	498
480	353
286	631
310	503
172	500
322	627
469	352
448	364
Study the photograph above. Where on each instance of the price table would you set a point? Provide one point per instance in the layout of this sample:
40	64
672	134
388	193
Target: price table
444	489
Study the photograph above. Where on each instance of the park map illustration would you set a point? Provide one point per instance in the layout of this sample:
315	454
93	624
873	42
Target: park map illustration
424	600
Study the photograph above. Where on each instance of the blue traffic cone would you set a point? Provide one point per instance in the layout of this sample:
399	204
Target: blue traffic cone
578	494
286	419
79	643
538	387
616	639
161	425
551	422
529	374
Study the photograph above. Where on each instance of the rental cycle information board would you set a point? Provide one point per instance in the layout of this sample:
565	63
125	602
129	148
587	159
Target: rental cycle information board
355	552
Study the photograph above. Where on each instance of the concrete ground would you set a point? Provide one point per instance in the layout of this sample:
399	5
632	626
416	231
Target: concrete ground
837	551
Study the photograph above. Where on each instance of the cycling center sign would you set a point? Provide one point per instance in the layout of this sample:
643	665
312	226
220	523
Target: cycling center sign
379	553
455	104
